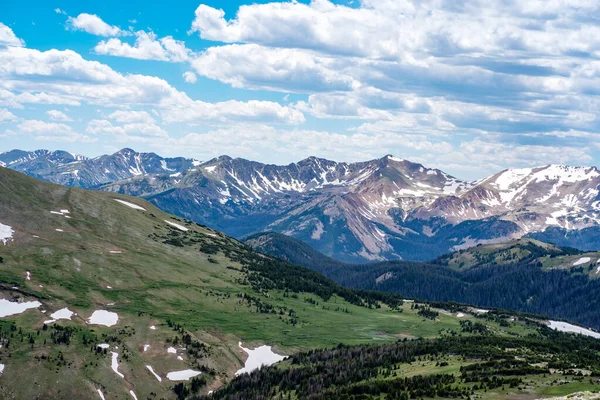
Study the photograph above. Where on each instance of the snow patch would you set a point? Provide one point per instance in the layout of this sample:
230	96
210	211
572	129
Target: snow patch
13	308
28	275
146	347
103	317
6	233
153	327
183	375
570	328
172	350
460	315
128	204
101	394
63	313
115	364
582	260
259	357
149	367
103	345
180	227
133	395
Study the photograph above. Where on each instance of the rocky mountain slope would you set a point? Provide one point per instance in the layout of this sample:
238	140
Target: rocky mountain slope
386	208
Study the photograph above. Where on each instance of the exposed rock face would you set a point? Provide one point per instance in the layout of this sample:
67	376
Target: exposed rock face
378	209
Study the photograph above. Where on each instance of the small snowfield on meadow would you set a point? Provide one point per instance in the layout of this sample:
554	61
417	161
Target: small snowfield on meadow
183	375
8	308
103	317
64	313
582	260
6	233
570	328
259	357
128	204
180	227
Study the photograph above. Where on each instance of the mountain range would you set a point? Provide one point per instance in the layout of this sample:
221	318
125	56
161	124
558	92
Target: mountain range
104	296
387	208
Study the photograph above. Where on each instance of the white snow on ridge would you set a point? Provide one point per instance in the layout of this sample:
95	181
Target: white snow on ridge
103	317
180	227
582	260
115	364
6	233
154	373
64	313
511	176
128	204
12	308
182	375
570	328
133	395
101	394
259	357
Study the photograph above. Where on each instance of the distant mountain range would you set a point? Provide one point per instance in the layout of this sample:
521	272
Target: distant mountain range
386	208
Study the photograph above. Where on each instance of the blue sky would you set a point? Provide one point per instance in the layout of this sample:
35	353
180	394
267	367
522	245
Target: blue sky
471	87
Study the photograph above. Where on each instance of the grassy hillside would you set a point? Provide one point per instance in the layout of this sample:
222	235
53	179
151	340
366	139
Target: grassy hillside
203	293
541	365
525	274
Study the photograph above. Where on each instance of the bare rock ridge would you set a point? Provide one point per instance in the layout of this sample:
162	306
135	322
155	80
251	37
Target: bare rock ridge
379	209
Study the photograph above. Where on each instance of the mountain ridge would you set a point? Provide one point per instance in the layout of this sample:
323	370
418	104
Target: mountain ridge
385	208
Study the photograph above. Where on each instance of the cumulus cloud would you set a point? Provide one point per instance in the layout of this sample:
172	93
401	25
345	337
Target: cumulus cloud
51	131
129	116
146	47
258	67
6	115
56	115
96	127
58	76
93	24
8	37
510	70
190	77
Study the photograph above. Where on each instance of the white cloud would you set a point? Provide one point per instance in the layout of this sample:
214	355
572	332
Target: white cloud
51	131
146	47
190	77
96	127
128	116
93	24
59	11
258	67
390	29
56	115
8	37
6	115
64	76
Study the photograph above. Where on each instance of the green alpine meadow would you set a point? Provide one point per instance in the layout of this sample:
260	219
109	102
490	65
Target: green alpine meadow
104	293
